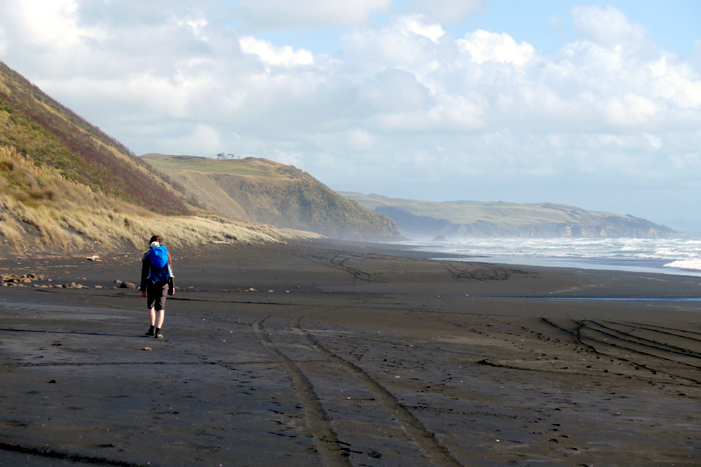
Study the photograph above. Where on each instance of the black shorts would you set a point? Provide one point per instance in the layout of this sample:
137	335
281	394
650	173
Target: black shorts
156	295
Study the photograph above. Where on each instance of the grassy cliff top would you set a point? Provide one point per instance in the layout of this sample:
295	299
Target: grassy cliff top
248	167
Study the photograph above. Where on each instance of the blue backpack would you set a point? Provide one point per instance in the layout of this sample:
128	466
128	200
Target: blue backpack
160	271
158	256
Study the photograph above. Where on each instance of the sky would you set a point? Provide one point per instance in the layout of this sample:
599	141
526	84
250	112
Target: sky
592	104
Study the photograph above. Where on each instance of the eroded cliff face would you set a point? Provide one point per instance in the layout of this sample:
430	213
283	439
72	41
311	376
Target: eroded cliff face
304	203
283	196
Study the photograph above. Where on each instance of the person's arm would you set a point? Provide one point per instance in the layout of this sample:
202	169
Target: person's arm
171	279
145	269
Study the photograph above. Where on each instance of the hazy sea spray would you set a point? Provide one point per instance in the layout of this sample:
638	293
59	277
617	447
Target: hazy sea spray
673	255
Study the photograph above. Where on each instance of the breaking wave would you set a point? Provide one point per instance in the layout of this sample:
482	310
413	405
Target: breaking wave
689	265
670	255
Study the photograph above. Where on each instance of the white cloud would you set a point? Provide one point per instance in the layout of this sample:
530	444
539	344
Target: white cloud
394	91
456	113
203	140
272	55
654	141
447	11
196	25
3	41
486	46
48	22
46	31
607	26
415	25
288	158
361	139
407	43
630	110
283	13
695	58
676	82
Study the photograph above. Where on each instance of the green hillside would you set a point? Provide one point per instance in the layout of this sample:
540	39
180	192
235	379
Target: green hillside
51	135
65	185
498	219
265	191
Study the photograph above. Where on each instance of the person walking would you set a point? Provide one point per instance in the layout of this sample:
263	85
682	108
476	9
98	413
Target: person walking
157	280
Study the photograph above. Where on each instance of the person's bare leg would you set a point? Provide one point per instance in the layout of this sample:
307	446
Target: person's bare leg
152	321
161	317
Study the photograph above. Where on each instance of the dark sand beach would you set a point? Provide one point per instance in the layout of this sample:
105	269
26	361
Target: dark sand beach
348	354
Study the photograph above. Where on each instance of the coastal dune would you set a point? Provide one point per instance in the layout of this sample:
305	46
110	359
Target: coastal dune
331	353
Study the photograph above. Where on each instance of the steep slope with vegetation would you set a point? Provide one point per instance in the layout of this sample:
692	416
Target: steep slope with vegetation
482	219
264	191
53	136
65	185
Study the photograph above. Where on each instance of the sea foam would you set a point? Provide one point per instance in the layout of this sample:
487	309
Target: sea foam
669	255
687	264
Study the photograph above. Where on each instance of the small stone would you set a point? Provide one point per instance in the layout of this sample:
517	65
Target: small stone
147	348
271	291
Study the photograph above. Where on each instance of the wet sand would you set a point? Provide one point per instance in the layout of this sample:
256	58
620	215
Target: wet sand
348	354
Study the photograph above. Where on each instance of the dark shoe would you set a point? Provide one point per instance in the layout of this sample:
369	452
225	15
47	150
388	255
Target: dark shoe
158	334
150	332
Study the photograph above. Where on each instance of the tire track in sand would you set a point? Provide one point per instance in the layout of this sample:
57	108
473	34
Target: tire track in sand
330	450
412	426
623	345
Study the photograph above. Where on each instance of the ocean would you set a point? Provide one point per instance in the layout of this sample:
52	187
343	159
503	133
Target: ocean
680	256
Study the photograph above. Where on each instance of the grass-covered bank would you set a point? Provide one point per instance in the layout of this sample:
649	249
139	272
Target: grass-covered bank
40	209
